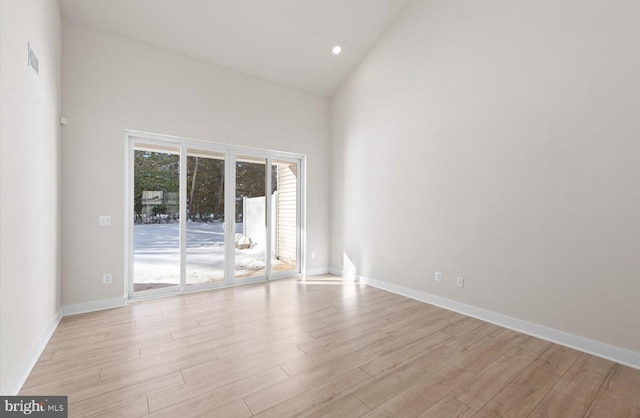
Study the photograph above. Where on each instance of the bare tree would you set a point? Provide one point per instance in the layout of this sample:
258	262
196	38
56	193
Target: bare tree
193	188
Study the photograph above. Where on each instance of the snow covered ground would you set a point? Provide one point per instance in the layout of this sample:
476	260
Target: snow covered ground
157	259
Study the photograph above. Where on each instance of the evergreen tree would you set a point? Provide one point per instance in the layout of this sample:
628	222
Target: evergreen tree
158	171
155	171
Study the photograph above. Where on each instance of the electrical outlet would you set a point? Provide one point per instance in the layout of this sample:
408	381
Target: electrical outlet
438	276
104	220
313	255
33	59
107	278
460	282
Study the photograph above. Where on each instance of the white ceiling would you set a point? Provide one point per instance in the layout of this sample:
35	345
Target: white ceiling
286	41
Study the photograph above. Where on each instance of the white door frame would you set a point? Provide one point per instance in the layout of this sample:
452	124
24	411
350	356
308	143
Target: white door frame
136	138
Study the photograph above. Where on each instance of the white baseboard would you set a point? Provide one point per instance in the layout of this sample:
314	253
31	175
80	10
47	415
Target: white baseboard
350	275
94	305
317	271
597	348
336	271
20	376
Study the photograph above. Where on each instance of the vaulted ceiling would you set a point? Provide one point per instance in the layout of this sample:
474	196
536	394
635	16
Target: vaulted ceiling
286	41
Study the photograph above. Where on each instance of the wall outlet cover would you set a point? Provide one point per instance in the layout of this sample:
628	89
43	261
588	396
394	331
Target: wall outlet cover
107	278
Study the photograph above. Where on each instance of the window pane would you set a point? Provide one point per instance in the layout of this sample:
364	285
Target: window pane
251	231
205	217
284	229
156	233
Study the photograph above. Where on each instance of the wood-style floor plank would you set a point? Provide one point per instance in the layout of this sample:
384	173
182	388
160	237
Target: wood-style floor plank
406	354
557	359
521	397
173	360
397	342
282	391
172	405
320	348
482	387
305	364
558	405
535	345
400	379
317	397
448	408
345	406
583	380
235	409
424	394
485	354
123	396
619	395
132	409
458	329
200	387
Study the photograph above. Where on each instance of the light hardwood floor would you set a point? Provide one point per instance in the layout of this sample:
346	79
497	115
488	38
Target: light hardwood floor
322	349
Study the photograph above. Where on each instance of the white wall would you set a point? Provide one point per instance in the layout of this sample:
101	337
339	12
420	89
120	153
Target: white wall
111	84
499	141
29	179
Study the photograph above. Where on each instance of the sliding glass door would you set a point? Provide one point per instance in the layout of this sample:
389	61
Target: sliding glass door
206	215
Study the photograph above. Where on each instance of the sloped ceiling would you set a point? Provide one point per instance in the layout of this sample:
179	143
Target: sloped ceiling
286	41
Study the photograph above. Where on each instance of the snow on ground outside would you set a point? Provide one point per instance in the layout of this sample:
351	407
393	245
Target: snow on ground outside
156	253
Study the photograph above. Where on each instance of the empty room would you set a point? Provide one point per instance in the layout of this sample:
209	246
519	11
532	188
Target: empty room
323	208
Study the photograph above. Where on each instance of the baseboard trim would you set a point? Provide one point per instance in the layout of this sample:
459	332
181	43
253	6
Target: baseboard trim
596	348
336	271
350	275
317	271
20	376
93	306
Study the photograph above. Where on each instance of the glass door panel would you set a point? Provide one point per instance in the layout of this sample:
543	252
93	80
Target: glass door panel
251	216
205	217
284	216
156	228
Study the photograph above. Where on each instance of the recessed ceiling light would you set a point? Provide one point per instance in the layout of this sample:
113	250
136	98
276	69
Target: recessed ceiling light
336	50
